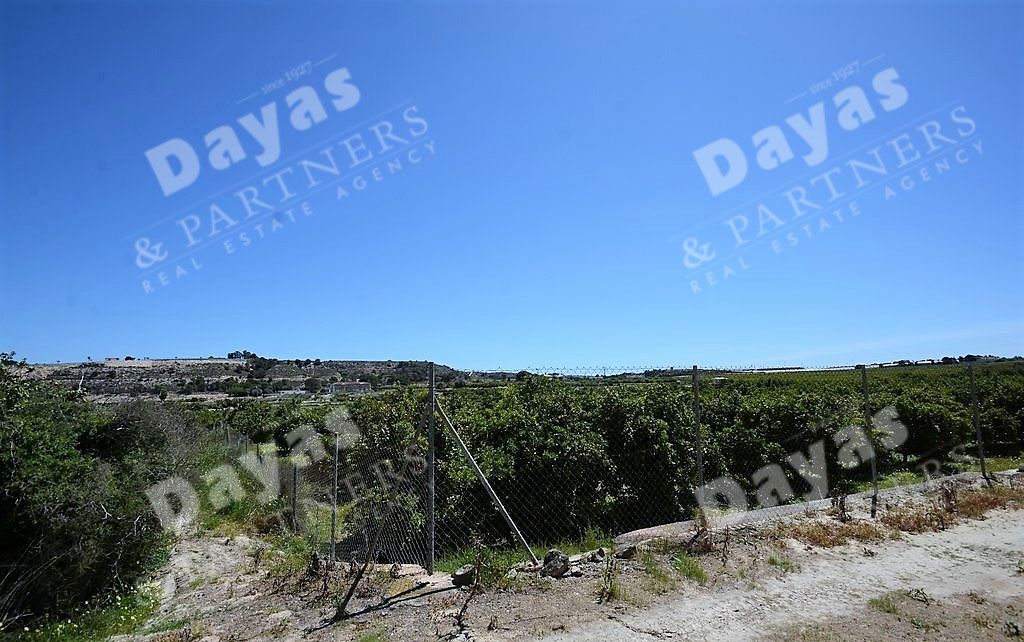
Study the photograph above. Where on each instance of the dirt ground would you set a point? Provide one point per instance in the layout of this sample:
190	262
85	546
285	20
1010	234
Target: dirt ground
828	595
904	615
752	581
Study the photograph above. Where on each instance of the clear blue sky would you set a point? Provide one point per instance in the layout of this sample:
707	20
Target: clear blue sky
547	229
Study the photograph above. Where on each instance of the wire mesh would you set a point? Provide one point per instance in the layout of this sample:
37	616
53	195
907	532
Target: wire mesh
585	454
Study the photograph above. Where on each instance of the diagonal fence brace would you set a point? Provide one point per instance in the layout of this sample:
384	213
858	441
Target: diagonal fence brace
486	484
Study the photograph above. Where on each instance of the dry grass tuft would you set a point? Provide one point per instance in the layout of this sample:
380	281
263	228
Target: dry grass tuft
829	534
972	504
946	510
975	503
909	520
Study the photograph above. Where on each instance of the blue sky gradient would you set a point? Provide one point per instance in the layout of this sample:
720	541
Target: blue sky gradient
547	229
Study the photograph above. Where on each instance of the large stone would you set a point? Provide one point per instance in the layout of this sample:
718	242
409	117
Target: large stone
556	563
630	551
464	576
626	552
596	555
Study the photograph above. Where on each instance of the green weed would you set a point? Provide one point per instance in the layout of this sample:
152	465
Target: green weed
689	567
784	563
290	554
117	615
652	568
611	588
884	603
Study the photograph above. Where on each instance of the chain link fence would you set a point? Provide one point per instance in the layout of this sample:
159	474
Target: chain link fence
583	455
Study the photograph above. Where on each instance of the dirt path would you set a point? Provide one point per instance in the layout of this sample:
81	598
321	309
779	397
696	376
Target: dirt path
979	556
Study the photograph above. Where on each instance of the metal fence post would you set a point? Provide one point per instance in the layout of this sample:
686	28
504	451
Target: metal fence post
977	426
870	435
696	426
431	479
334	500
295	496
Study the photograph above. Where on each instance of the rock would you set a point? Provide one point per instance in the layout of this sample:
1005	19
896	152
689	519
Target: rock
1020	469
464	576
576	571
626	553
556	563
512	574
596	555
280	616
630	551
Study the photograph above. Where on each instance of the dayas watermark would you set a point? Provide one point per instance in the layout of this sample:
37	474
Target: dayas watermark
176	501
282	189
771	483
834	189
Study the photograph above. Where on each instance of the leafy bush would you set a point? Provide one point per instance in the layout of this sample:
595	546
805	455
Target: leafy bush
568	455
74	517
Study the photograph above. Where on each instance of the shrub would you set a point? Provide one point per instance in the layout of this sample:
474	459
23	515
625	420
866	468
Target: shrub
74	517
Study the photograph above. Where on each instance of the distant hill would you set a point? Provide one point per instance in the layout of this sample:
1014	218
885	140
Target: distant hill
245	374
115	379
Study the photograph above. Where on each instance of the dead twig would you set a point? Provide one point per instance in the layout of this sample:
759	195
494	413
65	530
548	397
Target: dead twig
474	589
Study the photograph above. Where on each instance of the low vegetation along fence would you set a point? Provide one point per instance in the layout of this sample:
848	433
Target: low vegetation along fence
544	460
